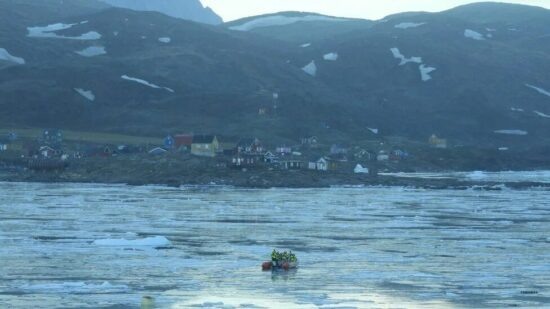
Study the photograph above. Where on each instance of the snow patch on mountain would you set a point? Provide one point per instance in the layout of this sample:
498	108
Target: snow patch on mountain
425	72
541	114
281	20
331	56
92	51
398	55
146	83
88	94
165	40
471	34
49	32
5	55
310	68
511	132
539	90
408	25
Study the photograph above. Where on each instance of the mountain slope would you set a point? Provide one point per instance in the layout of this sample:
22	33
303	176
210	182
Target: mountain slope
184	9
410	75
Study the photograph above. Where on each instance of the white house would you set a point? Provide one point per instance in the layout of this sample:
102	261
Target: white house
359	169
319	165
382	156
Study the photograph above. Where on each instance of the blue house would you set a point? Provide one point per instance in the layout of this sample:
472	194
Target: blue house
169	142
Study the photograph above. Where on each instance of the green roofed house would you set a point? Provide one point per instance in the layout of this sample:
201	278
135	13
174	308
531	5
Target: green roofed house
205	145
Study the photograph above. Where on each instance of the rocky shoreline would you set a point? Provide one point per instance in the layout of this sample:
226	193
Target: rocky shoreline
174	175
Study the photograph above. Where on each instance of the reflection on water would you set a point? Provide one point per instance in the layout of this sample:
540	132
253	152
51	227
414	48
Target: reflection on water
95	246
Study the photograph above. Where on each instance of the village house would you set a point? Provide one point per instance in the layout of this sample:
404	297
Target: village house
205	146
250	146
270	158
183	141
48	152
359	169
437	142
320	165
398	155
52	136
338	150
310	141
382	156
291	163
244	160
169	142
283	150
4	145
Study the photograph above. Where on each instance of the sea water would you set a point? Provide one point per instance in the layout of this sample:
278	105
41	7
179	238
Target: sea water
94	246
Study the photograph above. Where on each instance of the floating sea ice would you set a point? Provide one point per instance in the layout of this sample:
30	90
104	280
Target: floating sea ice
425	72
305	45
539	90
157	241
310	68
511	132
542	114
5	55
331	57
88	94
373	130
517	109
408	25
398	55
471	34
146	83
165	40
92	51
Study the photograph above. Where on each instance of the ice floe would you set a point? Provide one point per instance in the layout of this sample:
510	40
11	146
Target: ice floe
471	34
373	130
146	83
310	68
281	20
88	94
74	288
49	32
539	90
425	72
5	55
503	148
517	109
154	242
165	40
511	132
92	51
541	114
408	25
331	57
305	45
398	55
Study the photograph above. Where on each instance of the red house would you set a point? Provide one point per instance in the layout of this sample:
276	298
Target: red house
183	141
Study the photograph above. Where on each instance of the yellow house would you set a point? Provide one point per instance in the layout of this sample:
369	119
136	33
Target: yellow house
437	142
205	145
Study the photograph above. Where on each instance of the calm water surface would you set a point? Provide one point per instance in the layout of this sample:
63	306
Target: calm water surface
93	246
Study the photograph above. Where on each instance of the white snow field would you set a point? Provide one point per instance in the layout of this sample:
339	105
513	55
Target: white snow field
92	51
281	20
88	94
471	34
311	68
146	83
425	72
5	55
408	25
539	90
511	132
331	56
398	55
49	32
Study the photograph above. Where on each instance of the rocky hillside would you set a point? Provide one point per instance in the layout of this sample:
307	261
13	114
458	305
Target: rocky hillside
184	9
477	79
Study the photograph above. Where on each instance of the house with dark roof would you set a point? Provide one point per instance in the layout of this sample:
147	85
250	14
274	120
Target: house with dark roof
205	145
